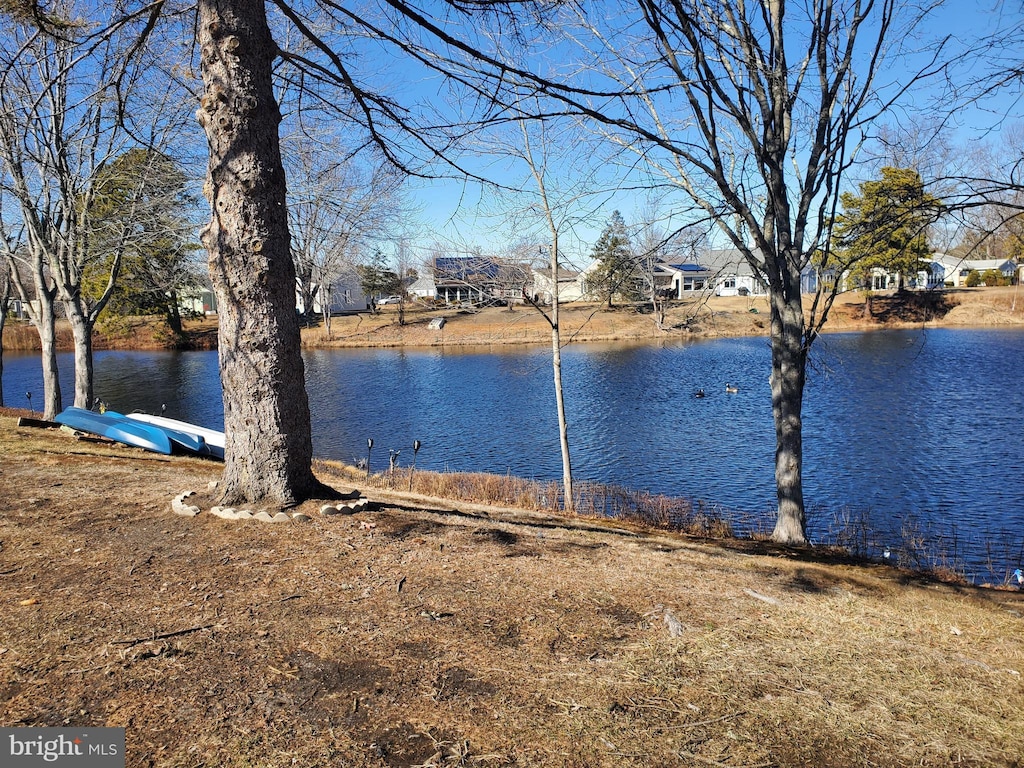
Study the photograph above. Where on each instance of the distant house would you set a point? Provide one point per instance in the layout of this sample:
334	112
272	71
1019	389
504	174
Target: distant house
16	308
732	274
478	279
570	287
943	270
344	294
200	300
1007	267
423	287
673	279
679	279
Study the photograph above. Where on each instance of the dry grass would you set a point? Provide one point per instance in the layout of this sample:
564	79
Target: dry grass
431	631
926	549
594	501
715	317
451	634
118	332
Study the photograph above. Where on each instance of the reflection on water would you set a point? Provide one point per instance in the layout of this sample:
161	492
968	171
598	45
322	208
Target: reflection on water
906	427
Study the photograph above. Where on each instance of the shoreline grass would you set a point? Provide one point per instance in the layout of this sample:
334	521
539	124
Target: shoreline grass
914	545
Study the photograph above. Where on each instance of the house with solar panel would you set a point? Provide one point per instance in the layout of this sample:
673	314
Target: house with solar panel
479	280
680	280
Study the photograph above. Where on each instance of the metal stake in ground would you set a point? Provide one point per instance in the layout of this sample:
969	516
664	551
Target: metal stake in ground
415	449
369	447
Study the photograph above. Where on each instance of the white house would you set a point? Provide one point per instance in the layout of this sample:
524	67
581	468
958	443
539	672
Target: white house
1007	267
343	294
941	269
682	279
732	274
570	286
198	301
424	287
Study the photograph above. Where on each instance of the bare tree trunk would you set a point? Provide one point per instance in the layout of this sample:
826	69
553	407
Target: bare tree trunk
41	313
81	330
5	296
789	357
4	301
268	451
82	318
569	501
46	325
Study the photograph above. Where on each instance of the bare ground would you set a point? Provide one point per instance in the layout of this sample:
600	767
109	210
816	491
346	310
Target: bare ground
430	633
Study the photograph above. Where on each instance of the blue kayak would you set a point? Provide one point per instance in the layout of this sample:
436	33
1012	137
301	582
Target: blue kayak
116	427
189	441
211	440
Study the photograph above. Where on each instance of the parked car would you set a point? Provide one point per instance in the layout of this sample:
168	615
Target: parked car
389	300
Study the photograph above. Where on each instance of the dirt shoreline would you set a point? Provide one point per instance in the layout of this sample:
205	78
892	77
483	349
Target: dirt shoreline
717	317
443	634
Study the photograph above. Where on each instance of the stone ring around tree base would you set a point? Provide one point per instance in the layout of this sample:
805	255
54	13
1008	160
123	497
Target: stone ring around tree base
180	506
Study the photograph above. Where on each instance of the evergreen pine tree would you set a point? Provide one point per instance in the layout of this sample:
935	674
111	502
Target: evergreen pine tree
617	270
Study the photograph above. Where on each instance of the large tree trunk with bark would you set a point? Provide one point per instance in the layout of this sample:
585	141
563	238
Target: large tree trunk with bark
268	451
789	358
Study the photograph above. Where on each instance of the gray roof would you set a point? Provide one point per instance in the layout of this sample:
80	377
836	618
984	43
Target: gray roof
726	261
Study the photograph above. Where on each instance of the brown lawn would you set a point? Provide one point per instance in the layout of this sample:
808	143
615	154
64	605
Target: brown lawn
438	633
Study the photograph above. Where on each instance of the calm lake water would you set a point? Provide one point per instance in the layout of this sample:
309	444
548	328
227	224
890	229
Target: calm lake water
916	430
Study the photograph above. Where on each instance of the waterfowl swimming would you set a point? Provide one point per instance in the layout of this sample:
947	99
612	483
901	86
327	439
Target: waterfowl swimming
732	390
699	393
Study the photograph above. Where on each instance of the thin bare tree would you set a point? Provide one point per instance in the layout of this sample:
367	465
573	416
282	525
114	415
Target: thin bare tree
535	149
66	87
753	112
5	301
340	205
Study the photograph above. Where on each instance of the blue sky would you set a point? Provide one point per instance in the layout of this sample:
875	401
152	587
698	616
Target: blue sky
464	215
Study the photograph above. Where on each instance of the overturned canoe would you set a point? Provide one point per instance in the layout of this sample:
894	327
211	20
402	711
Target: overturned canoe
213	441
116	427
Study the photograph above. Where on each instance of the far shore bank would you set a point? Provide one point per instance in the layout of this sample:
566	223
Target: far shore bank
415	324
